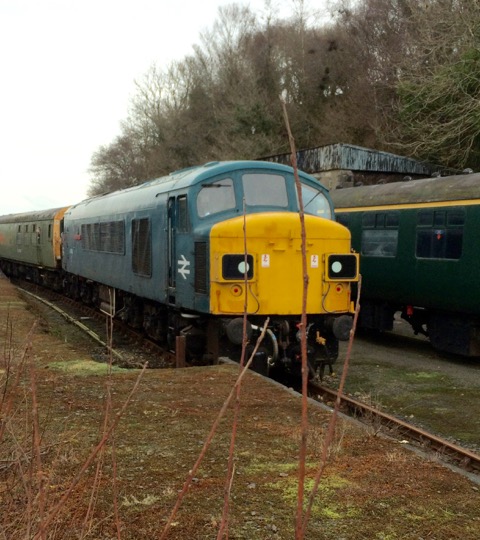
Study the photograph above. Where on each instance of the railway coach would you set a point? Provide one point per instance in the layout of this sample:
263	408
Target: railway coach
419	243
30	246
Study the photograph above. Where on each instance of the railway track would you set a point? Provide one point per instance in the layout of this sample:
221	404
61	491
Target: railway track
444	450
115	338
78	314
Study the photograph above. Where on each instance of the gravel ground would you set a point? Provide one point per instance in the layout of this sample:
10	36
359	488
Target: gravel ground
403	375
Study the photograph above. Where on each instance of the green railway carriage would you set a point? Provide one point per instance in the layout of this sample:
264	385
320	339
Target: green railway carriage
419	243
30	245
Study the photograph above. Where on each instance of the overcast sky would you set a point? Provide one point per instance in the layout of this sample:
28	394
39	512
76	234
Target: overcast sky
67	74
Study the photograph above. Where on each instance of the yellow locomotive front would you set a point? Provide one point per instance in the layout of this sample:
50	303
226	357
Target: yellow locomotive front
268	281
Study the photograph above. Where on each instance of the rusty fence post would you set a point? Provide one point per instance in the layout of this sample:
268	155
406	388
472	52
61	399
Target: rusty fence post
180	343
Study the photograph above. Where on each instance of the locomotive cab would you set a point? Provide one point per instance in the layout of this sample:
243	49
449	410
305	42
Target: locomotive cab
247	245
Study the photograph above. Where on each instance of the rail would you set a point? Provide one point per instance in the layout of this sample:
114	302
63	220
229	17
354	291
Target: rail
444	450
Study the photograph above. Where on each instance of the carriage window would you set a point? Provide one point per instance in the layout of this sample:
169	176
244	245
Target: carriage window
380	221
441	237
425	218
215	198
315	202
32	237
439	219
380	234
379	242
456	217
391	220
368	220
265	190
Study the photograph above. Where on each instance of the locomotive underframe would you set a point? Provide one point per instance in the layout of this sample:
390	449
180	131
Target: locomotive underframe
45	277
207	337
447	332
280	351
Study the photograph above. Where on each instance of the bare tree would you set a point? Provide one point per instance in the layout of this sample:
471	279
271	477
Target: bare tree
116	166
376	38
339	79
439	107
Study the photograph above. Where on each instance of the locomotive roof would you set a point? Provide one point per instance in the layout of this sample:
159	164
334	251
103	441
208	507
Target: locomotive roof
143	195
429	190
193	175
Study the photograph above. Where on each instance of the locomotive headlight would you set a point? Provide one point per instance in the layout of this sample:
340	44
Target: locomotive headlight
242	267
342	267
235	266
337	267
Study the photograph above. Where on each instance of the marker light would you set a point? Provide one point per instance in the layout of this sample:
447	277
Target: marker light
236	290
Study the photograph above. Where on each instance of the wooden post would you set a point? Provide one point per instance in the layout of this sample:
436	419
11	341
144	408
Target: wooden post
180	343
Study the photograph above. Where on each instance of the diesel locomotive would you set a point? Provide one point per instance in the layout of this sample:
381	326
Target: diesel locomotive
419	246
189	253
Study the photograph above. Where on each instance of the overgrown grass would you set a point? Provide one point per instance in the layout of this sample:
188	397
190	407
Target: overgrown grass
36	461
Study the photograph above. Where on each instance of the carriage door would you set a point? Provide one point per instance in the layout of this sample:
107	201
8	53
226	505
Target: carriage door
180	249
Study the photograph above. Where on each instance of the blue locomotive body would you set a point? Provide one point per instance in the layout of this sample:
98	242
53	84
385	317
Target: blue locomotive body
188	254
